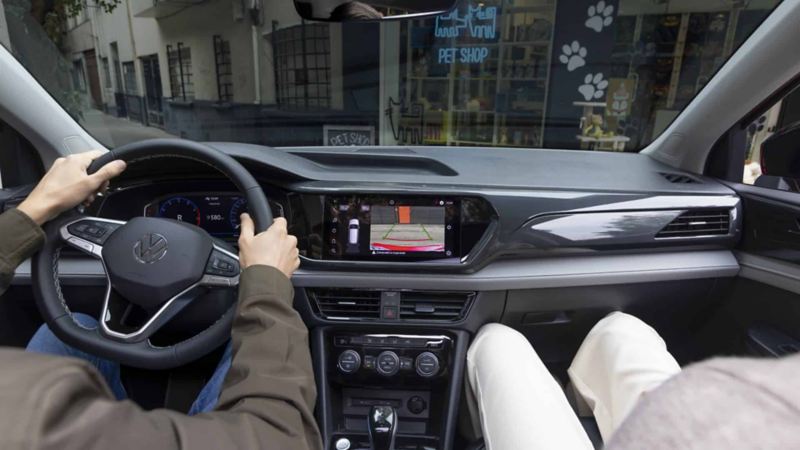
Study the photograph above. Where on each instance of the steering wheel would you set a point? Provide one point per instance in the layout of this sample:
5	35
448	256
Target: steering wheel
154	266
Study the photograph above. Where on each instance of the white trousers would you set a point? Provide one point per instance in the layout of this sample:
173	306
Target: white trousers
519	405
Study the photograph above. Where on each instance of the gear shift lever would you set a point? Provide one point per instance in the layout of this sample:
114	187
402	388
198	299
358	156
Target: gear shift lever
382	424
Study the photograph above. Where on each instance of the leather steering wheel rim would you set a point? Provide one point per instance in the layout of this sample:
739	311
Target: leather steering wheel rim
142	354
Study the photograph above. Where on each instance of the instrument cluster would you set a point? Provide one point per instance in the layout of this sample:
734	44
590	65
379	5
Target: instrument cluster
216	212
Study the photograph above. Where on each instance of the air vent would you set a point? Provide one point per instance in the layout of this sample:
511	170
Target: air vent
678	178
438	306
696	223
346	303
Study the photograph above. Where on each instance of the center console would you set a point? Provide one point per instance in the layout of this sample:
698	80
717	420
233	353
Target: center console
416	374
389	363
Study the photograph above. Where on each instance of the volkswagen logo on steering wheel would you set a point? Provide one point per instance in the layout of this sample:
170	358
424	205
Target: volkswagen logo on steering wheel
150	248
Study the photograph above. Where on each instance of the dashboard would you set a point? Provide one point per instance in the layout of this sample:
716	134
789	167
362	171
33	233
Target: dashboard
440	210
378	227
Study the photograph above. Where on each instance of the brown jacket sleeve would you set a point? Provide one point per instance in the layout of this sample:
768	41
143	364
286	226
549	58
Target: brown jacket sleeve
20	238
267	401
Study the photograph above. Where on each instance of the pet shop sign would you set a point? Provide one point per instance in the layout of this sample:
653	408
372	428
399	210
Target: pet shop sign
477	23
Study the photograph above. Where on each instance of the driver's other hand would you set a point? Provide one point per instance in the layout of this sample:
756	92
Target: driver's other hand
67	185
274	247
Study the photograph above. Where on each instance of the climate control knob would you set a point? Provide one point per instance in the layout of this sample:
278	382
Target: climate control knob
349	361
388	363
427	364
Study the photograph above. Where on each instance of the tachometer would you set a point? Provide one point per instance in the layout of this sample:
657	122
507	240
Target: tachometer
180	208
239	206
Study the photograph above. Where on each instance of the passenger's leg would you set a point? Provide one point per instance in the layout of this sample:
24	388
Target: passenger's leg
621	359
209	395
44	341
519	403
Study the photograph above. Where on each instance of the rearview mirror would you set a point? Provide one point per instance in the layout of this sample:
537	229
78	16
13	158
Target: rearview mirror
369	10
780	153
780	160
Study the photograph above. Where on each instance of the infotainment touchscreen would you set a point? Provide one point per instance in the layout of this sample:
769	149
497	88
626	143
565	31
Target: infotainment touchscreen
377	227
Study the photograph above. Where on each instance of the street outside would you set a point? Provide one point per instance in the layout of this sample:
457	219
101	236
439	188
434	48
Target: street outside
114	131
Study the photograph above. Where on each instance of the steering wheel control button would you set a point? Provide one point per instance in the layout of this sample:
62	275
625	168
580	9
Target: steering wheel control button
222	265
343	444
427	365
388	363
349	361
92	231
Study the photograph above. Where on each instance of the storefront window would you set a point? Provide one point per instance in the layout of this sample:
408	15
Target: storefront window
475	76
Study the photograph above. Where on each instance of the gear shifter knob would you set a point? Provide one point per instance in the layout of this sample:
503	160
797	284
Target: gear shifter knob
382	424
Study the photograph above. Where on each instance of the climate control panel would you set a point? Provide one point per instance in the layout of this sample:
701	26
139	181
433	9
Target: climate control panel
381	355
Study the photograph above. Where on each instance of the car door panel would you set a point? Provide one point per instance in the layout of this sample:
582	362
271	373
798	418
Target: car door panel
760	313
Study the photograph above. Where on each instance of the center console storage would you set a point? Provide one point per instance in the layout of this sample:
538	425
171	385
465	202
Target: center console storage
413	375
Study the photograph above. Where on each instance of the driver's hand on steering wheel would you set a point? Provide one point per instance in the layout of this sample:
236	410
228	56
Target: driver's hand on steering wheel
67	185
274	247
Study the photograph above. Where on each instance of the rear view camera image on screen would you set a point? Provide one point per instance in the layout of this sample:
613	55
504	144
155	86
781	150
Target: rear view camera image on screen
407	229
383	228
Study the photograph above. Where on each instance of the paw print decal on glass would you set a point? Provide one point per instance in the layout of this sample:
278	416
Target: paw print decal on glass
600	16
574	56
593	87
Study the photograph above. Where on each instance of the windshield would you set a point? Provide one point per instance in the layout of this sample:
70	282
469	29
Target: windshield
601	75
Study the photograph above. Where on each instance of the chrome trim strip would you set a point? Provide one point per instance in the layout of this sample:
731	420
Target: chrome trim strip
542	273
206	281
499	275
226	252
104	315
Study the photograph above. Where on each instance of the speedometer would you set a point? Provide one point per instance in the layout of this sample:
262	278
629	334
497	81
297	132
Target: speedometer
239	207
180	208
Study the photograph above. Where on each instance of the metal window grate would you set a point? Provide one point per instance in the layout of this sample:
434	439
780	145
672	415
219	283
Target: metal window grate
129	74
222	60
152	88
106	72
180	72
302	66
